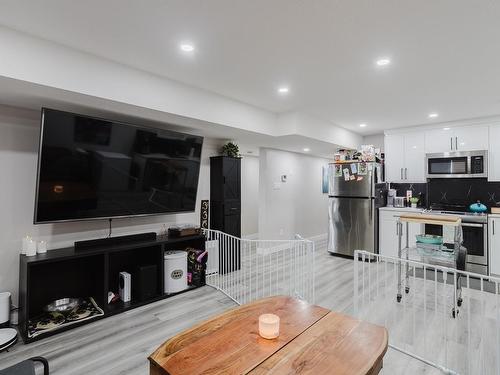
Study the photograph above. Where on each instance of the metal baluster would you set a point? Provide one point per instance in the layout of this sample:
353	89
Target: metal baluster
469	301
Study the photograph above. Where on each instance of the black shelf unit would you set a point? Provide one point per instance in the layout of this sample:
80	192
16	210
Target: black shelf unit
225	194
65	272
225	205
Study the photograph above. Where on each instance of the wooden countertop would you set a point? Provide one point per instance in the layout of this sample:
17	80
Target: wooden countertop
313	340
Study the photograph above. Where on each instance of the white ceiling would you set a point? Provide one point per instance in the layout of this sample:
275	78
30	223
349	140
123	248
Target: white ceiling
445	54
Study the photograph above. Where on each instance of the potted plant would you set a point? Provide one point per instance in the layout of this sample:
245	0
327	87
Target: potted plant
231	149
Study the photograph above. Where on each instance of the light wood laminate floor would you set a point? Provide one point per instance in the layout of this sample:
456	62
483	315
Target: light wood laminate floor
121	344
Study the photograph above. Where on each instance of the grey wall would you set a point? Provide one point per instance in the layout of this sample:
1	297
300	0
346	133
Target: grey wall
249	196
296	206
376	139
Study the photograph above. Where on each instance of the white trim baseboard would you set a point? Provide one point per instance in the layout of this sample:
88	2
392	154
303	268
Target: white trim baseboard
253	236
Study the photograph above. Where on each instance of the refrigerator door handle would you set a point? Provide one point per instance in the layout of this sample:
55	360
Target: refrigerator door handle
370	200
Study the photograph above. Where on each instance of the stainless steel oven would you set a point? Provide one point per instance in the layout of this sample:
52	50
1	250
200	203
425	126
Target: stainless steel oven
475	239
462	164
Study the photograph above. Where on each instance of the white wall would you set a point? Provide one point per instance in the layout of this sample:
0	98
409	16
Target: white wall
313	127
19	132
297	205
376	139
249	196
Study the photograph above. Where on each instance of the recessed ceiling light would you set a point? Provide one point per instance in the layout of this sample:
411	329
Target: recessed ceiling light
446	128
362	125
283	90
187	47
433	115
384	61
307	149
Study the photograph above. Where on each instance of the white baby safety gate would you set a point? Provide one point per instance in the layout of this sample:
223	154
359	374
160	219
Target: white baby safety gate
246	270
430	323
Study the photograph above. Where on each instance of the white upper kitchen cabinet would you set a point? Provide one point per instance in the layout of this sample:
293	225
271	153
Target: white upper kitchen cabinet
494	154
414	155
494	244
405	157
394	163
471	138
439	140
467	138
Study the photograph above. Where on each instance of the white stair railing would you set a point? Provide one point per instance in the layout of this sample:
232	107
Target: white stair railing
456	330
246	270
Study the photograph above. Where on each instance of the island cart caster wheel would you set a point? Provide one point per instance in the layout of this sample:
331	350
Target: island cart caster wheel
459	302
398	298
407	289
454	313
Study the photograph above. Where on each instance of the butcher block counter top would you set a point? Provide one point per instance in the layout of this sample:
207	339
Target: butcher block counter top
312	340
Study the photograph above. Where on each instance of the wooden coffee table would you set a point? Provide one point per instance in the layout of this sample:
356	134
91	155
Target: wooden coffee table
313	340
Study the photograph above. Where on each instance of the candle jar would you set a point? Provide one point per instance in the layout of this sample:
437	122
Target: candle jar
269	326
41	247
31	250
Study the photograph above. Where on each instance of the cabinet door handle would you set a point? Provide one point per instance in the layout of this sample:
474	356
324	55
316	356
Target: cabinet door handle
493	222
397	232
401	173
456	143
406	173
451	143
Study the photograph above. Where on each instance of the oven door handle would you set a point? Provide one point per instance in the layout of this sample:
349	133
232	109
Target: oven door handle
472	225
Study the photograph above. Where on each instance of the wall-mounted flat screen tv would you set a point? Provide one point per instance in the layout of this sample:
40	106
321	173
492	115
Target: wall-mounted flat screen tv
92	168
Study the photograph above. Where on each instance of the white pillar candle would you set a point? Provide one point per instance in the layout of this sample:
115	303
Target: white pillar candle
41	247
24	248
31	250
269	326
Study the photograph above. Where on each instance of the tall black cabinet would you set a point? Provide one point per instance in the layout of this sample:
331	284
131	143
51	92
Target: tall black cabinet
225	194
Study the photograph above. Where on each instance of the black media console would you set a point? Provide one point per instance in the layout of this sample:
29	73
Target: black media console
92	273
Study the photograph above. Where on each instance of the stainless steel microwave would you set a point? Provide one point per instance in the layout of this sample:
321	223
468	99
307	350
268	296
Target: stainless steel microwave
460	164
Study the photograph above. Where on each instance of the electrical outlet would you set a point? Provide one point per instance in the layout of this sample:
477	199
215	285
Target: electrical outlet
282	231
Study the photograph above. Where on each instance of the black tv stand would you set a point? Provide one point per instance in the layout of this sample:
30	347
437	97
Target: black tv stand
112	241
66	272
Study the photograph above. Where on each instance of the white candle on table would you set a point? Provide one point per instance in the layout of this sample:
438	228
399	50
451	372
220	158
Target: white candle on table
31	250
41	247
24	248
269	326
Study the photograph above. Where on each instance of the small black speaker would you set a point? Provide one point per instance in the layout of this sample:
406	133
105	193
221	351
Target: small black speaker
145	285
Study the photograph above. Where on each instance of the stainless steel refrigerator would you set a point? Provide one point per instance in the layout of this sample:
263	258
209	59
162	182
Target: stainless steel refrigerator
356	191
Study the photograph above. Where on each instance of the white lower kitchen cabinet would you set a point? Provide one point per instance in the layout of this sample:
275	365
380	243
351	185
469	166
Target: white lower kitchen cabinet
494	244
388	236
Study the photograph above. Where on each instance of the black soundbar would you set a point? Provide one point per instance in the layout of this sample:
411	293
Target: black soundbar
113	241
